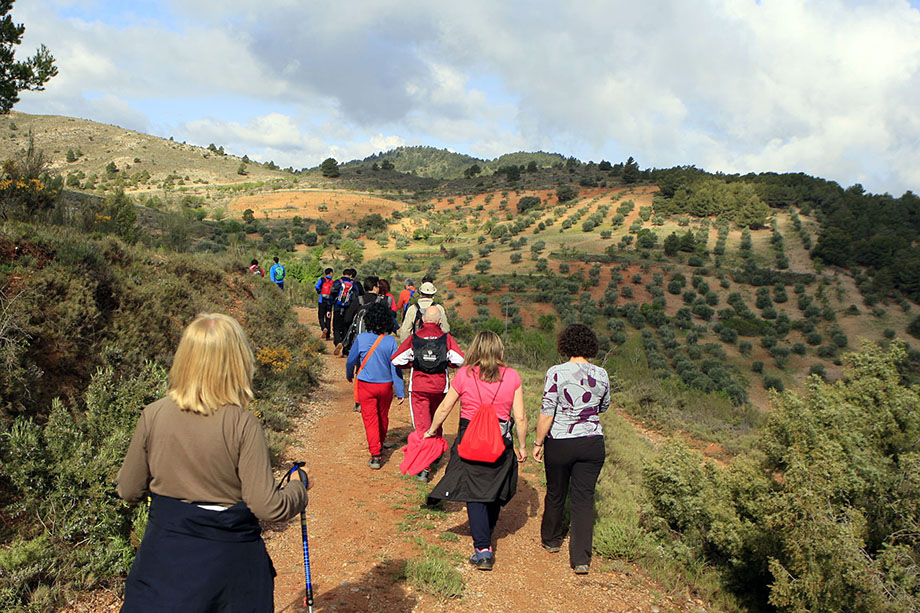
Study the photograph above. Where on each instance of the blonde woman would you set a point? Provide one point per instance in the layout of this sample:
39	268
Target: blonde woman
202	459
485	487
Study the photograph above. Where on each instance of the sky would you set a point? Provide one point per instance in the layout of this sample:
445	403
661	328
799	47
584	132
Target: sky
826	87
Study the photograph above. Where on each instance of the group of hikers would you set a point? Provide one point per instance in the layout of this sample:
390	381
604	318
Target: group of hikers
202	459
275	273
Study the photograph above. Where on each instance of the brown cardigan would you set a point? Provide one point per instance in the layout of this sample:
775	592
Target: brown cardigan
219	459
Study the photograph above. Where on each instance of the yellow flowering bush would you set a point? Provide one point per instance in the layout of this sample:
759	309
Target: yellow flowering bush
276	358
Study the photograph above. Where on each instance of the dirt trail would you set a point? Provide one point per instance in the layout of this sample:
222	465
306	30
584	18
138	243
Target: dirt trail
364	524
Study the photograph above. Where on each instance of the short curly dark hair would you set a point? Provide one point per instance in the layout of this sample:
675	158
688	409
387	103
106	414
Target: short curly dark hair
378	318
577	340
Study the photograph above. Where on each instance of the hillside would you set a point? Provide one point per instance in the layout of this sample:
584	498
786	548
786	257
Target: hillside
710	295
442	164
97	145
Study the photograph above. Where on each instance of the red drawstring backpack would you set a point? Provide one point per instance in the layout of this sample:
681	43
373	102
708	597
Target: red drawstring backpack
482	440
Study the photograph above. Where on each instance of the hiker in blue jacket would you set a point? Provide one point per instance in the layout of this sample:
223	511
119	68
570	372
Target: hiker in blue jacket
276	273
324	287
377	379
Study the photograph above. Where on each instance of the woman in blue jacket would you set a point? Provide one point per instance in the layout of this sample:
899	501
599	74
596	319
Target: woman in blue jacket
377	378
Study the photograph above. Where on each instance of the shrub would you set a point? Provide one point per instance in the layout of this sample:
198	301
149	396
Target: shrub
728	335
817	369
773	383
566	192
914	327
528	202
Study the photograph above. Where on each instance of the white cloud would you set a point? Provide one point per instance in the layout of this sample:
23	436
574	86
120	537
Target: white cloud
282	139
826	87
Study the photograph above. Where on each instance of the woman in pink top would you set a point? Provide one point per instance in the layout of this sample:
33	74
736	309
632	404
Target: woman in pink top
485	486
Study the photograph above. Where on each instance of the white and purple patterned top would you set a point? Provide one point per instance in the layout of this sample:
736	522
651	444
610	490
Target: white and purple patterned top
575	395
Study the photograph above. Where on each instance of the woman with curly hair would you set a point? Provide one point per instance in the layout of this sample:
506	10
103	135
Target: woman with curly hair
486	487
369	362
575	393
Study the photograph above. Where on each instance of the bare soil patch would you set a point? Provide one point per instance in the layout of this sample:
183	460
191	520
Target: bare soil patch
339	206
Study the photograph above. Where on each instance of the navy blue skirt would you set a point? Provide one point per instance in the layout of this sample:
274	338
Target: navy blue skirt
196	560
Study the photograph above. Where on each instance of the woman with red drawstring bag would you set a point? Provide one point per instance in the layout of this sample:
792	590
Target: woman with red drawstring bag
483	466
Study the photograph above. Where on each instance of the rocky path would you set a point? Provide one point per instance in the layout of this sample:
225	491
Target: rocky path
364	525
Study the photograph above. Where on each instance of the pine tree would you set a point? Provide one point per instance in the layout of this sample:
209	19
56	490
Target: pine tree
27	75
330	168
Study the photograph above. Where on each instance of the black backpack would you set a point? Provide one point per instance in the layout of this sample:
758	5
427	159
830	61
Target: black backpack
430	354
357	323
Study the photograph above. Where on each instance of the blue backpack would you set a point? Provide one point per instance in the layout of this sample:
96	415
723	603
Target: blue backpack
409	301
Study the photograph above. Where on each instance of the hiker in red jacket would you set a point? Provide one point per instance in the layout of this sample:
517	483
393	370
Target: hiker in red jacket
428	353
405	297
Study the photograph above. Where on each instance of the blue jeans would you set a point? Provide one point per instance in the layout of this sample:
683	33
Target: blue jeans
483	516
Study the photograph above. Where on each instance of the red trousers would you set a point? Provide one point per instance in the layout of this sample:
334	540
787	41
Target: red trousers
423	405
375	399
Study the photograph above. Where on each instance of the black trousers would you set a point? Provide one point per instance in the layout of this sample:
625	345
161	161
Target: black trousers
571	463
339	326
324	313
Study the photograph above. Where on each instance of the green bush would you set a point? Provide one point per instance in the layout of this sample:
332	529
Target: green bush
64	473
103	319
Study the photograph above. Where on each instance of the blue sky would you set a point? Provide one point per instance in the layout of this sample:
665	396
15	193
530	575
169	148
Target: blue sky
827	87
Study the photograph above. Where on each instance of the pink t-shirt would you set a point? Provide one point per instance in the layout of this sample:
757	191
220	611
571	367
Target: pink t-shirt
474	392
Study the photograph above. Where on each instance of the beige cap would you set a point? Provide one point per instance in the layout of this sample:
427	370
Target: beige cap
428	288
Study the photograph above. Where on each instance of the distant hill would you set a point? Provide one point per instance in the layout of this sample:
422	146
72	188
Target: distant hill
95	146
436	163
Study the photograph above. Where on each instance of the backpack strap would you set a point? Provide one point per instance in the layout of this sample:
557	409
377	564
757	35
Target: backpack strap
369	354
354	391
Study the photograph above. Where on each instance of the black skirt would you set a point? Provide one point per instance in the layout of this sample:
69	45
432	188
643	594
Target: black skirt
467	481
192	559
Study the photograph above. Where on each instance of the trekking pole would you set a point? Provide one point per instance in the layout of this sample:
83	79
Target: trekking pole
308	596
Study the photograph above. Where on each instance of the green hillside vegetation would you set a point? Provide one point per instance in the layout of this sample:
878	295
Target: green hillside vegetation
89	324
782	381
442	164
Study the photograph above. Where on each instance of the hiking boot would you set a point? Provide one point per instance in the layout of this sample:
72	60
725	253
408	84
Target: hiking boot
551	548
388	444
580	569
374	462
357	407
423	476
483	560
338	349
